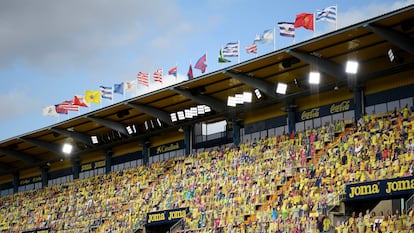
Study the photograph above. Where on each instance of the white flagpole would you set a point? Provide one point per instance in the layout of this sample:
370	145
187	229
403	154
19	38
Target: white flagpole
314	19
274	38
238	47
206	61
336	18
176	72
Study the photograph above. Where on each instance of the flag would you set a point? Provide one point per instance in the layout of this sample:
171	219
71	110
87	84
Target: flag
251	48
328	14
106	92
173	71
68	105
79	101
158	76
287	29
265	38
119	88
50	111
231	50
221	59
190	72
143	78
93	97
60	110
304	20
201	63
131	87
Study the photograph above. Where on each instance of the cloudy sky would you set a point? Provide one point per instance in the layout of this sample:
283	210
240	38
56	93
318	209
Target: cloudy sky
51	50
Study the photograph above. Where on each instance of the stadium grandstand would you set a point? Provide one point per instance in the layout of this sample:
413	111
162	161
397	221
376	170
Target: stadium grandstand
335	155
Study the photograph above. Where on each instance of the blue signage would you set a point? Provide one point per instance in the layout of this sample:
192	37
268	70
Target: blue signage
380	189
166	216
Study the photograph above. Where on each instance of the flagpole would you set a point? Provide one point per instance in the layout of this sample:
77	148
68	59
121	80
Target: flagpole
336	19
238	46
274	38
314	29
176	72
206	61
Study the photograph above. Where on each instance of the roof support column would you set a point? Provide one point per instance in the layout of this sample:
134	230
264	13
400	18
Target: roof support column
145	153
15	182
108	157
291	118
44	170
359	102
188	139
76	167
236	132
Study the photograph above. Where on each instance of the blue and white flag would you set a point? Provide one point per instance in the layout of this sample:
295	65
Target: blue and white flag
106	92
265	38
328	14
119	88
287	29
231	50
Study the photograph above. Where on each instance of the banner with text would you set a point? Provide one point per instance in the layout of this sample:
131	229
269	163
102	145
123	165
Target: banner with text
383	189
166	216
167	148
325	110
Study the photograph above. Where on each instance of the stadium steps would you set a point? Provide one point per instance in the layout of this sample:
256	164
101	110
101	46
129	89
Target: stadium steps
272	199
124	209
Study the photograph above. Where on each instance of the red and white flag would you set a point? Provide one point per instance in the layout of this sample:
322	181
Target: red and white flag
143	78
158	76
251	48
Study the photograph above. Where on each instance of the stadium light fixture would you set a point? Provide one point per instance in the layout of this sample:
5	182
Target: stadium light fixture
94	139
207	109
200	109
173	117
258	93
231	101
67	148
281	88
181	115
159	122
314	77
351	67
247	97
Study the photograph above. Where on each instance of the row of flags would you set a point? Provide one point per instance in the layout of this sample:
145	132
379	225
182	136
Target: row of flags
107	92
232	49
286	29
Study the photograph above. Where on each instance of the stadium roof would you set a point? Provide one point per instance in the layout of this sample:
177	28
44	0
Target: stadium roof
367	42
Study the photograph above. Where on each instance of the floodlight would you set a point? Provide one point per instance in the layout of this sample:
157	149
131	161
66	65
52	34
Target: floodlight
231	101
194	111
94	139
129	130
207	109
146	125
181	115
159	122
351	67
173	117
67	148
314	77
281	88
239	98
200	109
247	97
258	94
152	124
391	55
188	113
